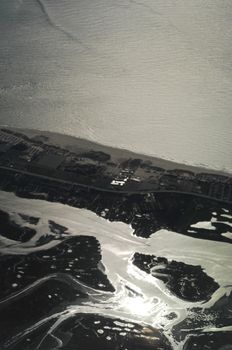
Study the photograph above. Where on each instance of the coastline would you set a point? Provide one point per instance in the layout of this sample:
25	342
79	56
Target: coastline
73	144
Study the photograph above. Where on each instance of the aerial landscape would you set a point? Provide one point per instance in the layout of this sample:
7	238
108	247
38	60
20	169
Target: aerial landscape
115	175
102	246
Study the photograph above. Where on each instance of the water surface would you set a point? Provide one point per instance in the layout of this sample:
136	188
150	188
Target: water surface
149	76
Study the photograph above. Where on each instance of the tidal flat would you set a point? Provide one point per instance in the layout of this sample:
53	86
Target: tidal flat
113	267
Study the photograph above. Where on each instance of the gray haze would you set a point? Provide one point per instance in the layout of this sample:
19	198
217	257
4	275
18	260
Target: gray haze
153	76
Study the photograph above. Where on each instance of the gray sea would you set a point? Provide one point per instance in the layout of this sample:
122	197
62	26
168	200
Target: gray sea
151	76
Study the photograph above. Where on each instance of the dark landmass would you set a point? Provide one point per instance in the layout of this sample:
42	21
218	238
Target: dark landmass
145	212
113	185
89	331
30	219
74	161
14	231
56	228
49	297
185	281
210	340
76	256
217	316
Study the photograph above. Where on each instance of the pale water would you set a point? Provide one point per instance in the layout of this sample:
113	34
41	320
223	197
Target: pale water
150	76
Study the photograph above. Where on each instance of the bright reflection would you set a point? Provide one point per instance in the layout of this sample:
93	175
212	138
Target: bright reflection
138	306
